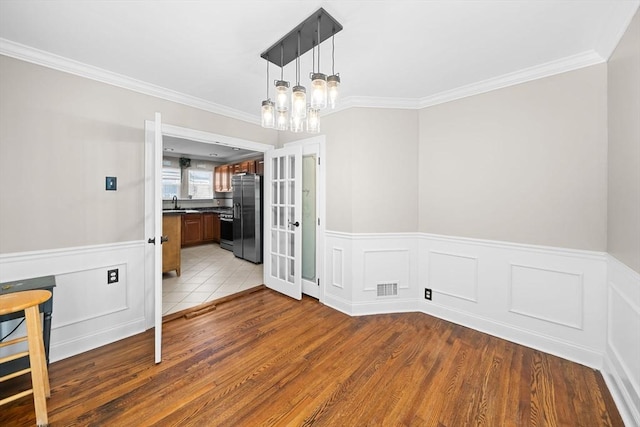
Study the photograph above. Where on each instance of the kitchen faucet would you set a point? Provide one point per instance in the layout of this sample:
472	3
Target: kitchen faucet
175	202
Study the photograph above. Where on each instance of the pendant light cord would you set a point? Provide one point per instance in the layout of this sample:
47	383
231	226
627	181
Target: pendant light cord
281	61
333	54
298	62
267	77
319	44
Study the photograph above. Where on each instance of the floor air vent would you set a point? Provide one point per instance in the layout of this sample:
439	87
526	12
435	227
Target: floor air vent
387	289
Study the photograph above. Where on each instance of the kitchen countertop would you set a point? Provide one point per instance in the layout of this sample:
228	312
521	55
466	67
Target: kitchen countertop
180	211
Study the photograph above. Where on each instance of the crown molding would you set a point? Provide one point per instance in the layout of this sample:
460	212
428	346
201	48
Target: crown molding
548	69
60	63
563	65
39	57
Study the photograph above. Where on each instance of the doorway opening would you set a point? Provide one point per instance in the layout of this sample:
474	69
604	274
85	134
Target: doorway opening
203	268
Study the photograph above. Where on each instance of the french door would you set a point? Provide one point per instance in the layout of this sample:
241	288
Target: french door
282	217
153	227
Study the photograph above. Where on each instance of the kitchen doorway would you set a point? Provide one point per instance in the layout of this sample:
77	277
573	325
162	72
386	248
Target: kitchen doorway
170	131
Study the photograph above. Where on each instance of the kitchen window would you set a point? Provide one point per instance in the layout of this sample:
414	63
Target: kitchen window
186	183
170	182
200	184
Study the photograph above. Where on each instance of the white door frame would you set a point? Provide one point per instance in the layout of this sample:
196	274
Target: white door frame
149	210
316	145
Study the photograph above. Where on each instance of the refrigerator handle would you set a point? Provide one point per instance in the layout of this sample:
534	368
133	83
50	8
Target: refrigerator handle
236	210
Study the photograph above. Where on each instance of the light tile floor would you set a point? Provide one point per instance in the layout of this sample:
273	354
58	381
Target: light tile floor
208	273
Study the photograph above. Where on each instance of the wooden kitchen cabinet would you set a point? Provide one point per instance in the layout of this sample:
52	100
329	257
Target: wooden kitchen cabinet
210	227
223	174
248	167
172	229
216	228
222	178
192	230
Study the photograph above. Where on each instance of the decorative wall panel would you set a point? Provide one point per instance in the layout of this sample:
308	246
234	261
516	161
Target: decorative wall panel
454	275
552	296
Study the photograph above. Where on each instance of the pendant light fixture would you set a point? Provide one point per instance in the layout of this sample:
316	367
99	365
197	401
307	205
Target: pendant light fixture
318	82
333	81
313	114
299	93
313	120
297	124
282	119
268	110
290	109
282	87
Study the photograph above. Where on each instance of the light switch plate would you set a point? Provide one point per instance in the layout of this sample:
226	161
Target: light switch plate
111	183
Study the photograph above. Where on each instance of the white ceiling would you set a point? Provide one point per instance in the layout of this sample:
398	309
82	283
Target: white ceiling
218	152
390	53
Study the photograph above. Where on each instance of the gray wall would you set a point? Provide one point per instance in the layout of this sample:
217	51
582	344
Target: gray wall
60	135
624	148
372	158
526	163
372	169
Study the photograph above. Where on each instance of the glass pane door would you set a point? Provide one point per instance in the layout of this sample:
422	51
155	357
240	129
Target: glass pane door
283	237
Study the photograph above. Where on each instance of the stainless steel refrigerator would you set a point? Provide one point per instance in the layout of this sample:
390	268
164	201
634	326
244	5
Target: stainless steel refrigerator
247	217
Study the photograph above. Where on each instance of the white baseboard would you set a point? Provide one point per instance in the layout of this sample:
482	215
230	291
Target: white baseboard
61	349
87	312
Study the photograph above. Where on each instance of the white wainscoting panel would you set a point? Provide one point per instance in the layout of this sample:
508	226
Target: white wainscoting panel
90	302
386	266
338	290
532	295
87	312
548	295
383	259
552	299
622	358
454	275
337	261
366	260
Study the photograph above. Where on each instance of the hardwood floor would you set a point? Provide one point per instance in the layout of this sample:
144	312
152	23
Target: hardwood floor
264	360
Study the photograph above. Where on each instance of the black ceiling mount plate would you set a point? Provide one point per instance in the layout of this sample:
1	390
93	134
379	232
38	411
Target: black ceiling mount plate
308	38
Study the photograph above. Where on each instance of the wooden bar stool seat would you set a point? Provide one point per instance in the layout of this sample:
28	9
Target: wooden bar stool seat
29	301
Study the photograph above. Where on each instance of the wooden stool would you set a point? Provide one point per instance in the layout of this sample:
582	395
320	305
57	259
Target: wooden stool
29	301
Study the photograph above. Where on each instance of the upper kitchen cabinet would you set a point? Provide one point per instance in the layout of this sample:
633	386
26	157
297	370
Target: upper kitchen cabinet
247	167
222	178
223	173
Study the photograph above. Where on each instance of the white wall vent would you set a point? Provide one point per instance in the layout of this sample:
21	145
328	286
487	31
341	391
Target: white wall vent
387	289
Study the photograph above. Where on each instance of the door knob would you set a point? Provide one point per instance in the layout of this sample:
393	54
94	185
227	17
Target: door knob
164	239
297	224
152	241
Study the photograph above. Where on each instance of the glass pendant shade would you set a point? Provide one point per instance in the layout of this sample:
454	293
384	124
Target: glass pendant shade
282	119
313	120
282	95
297	124
268	114
318	90
298	103
333	83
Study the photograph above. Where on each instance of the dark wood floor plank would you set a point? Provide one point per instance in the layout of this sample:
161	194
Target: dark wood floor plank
267	360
